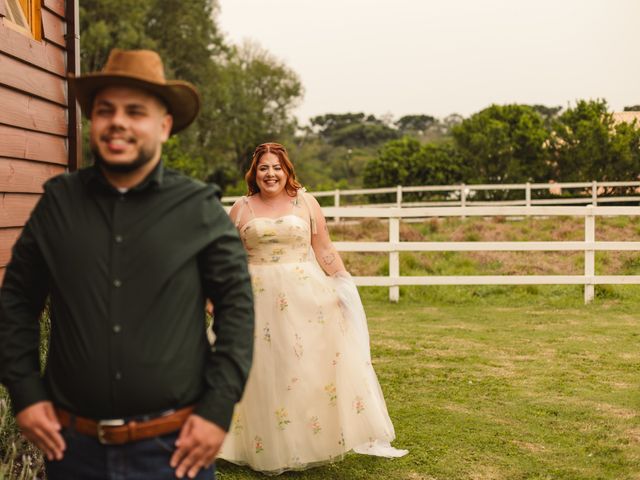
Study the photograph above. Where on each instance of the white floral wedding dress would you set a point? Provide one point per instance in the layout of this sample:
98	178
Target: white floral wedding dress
312	394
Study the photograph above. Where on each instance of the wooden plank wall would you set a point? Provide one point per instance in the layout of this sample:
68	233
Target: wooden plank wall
33	118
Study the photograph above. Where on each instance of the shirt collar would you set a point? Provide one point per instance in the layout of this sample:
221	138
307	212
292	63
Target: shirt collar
93	176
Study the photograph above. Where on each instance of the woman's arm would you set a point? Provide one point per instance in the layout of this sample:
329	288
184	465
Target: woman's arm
326	254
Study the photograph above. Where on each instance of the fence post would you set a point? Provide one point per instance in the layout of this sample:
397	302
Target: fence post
589	255
399	196
336	202
463	198
527	194
594	193
394	258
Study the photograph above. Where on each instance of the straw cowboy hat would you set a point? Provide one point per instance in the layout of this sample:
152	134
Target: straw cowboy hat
141	69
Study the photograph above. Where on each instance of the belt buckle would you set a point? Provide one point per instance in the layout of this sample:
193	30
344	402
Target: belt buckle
107	423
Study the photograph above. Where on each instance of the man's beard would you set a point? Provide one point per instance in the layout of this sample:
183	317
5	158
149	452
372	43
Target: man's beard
144	156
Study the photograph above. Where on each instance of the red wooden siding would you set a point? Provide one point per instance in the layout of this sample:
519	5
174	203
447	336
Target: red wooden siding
8	237
53	28
15	208
23	77
34	115
56	6
19	143
24	111
24	176
44	55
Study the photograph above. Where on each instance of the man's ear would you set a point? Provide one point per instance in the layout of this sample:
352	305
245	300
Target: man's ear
167	124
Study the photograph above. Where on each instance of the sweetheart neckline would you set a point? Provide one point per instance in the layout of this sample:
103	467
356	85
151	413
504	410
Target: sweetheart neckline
273	219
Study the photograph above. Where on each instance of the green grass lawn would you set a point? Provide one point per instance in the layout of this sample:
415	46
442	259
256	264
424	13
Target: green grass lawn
502	387
489	382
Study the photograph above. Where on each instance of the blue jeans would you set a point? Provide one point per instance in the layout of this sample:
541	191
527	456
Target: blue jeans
86	459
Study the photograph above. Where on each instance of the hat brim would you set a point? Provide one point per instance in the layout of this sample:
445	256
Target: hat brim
181	98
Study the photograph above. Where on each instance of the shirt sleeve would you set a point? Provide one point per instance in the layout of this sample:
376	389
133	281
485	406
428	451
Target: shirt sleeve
226	282
22	298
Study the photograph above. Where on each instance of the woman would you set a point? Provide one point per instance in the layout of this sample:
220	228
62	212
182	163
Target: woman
312	394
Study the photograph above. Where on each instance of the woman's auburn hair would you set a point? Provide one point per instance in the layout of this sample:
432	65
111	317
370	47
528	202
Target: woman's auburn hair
291	186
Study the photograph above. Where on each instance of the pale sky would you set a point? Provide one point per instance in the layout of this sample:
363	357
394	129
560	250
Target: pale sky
439	57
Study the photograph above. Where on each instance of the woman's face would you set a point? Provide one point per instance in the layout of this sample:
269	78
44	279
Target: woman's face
270	176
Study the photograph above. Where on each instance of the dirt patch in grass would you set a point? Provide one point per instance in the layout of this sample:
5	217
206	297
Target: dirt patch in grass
633	434
419	476
486	472
390	343
616	411
529	446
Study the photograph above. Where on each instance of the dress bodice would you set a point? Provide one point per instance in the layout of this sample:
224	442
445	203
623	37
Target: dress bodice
284	239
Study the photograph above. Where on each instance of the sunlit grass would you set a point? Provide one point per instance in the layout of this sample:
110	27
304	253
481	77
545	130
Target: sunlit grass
486	382
495	391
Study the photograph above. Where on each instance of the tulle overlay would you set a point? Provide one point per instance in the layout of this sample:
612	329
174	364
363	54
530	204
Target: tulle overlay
312	394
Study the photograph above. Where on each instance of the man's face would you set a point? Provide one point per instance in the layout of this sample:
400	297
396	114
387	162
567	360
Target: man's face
128	128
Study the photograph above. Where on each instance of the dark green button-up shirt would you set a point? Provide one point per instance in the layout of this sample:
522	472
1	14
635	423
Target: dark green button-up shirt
127	275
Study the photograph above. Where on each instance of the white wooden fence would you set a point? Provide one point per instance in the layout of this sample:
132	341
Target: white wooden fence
463	195
394	246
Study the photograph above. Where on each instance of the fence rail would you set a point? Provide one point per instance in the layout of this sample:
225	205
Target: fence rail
463	195
394	246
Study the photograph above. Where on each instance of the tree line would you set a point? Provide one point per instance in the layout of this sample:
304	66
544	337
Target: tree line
249	96
516	144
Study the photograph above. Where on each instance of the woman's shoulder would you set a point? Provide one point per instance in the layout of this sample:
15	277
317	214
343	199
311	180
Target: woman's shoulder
239	203
307	197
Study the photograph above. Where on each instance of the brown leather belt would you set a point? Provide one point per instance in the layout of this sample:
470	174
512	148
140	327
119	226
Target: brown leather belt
118	432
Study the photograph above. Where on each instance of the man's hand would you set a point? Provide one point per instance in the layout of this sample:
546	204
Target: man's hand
197	446
39	424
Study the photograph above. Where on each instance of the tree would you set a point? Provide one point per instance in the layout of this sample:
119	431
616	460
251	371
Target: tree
588	145
247	96
353	129
504	144
105	24
415	123
261	93
548	113
408	162
632	108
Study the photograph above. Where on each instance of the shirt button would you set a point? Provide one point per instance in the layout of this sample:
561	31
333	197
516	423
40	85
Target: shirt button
117	328
118	238
117	283
118	376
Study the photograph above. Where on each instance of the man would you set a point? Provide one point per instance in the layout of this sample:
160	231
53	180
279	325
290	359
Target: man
128	253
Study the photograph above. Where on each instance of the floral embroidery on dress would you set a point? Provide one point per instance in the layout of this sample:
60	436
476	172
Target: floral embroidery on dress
276	254
331	392
258	444
358	404
294	381
334	362
341	441
298	349
282	302
236	423
314	424
319	316
282	417
257	284
302	275
266	333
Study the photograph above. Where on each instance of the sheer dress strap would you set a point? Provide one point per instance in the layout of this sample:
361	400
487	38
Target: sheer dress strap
243	204
312	218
